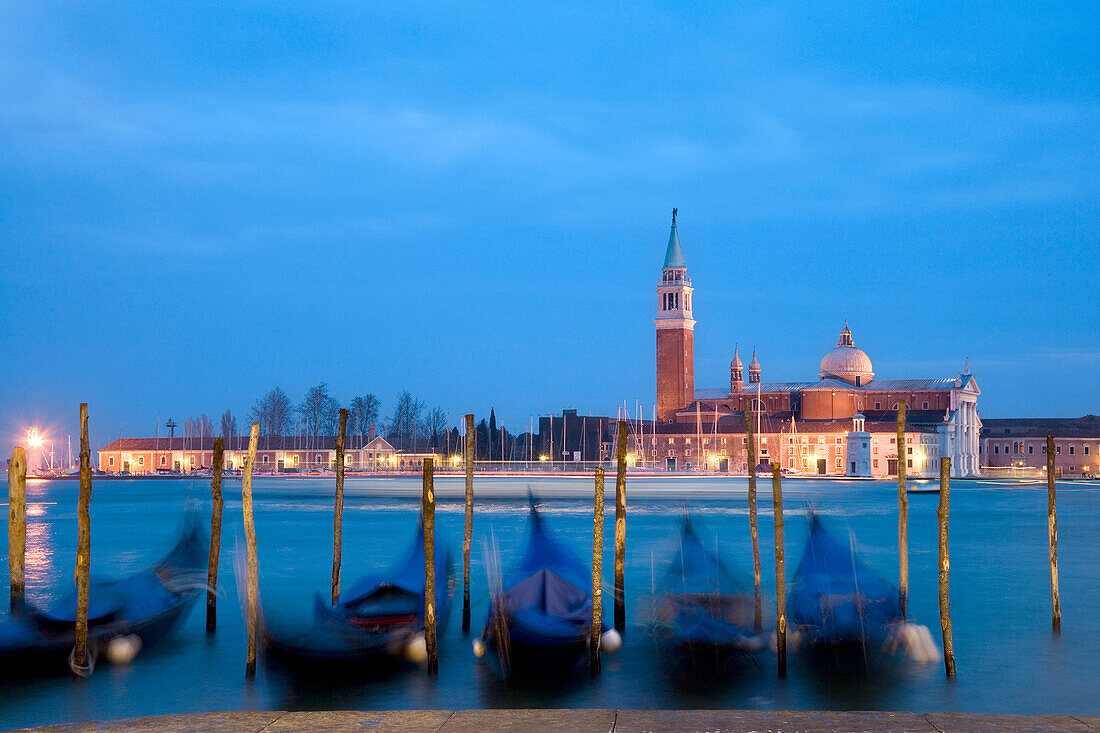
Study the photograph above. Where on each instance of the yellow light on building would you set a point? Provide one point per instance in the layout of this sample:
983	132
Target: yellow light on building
544	458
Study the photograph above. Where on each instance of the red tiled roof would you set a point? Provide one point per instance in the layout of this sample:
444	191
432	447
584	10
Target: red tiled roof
240	442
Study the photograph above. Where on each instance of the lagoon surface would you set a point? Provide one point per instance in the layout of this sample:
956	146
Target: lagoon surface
1008	660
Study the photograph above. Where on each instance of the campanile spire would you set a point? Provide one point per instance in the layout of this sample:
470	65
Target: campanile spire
675	331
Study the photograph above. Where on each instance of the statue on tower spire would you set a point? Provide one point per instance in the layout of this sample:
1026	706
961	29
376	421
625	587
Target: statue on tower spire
674	210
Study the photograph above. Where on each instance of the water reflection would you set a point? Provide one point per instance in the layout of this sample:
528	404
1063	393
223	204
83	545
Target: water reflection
1008	660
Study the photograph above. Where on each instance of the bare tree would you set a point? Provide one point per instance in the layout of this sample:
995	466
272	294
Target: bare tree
435	427
319	411
406	418
229	424
364	411
272	411
204	428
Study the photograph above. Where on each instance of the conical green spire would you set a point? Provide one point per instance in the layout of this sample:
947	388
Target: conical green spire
674	256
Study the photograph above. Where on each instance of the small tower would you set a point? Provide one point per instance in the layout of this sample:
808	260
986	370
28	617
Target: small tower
754	369
858	448
735	373
845	336
675	332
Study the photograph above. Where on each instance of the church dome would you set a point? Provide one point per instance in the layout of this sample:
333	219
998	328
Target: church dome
846	362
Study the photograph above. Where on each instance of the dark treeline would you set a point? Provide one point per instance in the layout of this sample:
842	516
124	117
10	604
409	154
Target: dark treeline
497	443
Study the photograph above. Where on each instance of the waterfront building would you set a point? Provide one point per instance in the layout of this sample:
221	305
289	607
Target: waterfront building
807	426
274	454
1009	444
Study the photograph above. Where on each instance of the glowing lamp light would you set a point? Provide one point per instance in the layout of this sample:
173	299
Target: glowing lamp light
544	458
33	438
455	460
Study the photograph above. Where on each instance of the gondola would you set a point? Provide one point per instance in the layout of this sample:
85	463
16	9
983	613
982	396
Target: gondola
704	611
838	610
541	617
377	624
147	605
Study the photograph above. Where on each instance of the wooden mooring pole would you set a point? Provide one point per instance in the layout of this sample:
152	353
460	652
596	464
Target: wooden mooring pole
79	663
253	562
338	511
754	530
903	517
597	576
215	536
780	576
1052	534
428	508
17	525
468	525
942	514
620	531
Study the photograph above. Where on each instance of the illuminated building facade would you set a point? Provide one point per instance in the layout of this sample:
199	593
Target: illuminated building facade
844	423
274	454
1020	443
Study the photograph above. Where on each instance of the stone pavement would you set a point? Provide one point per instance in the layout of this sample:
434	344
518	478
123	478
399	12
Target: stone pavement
583	721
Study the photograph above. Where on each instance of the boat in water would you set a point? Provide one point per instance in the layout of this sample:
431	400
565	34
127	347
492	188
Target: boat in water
124	616
843	614
376	624
541	616
704	611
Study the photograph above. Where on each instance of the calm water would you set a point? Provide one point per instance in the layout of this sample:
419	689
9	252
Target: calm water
1008	661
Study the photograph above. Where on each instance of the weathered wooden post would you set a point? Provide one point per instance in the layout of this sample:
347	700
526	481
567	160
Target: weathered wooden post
903	517
215	536
78	663
468	526
620	531
428	509
1052	533
597	576
754	530
253	562
780	576
17	525
338	512
945	566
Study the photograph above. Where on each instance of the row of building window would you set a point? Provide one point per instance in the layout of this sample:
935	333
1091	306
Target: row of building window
1018	448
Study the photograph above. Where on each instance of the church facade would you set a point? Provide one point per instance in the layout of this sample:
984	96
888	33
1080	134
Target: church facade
842	423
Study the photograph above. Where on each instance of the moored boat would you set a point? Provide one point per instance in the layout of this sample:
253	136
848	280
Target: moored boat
842	613
124	615
541	617
704	612
377	622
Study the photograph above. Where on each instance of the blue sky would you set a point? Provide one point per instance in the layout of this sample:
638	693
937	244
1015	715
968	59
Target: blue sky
200	201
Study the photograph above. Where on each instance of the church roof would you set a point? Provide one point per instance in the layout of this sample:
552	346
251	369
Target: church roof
830	383
908	385
240	442
674	256
714	393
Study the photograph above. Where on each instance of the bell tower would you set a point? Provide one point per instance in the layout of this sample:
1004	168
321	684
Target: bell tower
675	332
